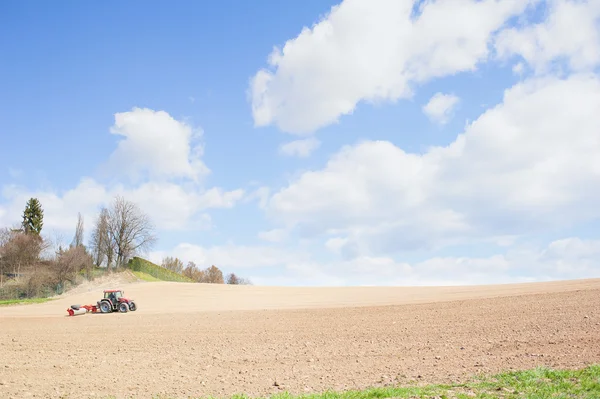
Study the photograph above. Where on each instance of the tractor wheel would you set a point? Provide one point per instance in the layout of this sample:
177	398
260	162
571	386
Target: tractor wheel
123	308
132	306
105	307
75	307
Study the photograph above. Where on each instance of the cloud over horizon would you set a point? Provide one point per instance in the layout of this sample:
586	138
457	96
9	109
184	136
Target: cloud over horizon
512	172
357	151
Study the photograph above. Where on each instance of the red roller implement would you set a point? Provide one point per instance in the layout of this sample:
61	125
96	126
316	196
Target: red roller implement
77	310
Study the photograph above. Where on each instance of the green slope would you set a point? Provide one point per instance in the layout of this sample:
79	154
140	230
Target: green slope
143	268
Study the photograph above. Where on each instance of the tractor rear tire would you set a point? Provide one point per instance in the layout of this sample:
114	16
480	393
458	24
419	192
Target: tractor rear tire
105	307
123	307
132	306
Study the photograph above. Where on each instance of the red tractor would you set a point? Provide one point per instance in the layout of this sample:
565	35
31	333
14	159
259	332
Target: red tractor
115	301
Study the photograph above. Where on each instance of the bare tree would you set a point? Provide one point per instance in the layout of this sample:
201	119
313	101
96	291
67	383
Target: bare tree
232	279
5	235
173	264
213	275
78	239
129	229
19	251
70	262
101	244
192	271
56	242
244	281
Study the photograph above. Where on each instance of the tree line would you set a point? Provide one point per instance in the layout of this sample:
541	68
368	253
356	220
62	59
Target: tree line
32	265
212	274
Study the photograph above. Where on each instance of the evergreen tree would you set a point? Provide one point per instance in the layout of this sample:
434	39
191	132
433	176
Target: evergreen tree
33	217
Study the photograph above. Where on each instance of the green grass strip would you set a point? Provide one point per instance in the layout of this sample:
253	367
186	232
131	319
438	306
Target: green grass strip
538	383
8	302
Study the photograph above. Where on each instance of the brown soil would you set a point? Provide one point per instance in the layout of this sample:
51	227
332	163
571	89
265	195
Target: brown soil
199	340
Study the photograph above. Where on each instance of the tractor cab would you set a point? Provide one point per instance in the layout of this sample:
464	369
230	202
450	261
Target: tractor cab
113	295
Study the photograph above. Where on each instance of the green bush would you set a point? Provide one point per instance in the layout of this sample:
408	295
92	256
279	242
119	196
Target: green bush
158	272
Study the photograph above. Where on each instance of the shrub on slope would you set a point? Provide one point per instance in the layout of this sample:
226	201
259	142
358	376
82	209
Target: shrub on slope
142	265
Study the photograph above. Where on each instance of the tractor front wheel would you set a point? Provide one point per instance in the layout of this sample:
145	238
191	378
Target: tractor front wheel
105	307
132	306
123	308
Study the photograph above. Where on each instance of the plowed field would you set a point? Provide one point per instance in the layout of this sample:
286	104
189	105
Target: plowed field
198	340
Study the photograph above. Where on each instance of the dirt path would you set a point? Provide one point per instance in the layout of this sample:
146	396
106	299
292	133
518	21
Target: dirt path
306	340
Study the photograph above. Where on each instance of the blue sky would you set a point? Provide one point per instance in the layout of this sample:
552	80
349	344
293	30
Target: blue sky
454	143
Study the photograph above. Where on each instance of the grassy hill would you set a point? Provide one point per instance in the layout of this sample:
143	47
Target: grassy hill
149	271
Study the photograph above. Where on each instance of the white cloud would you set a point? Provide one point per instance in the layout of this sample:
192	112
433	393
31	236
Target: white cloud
174	207
440	107
371	50
571	32
517	265
518	68
573	249
156	146
170	206
218	198
261	195
335	244
568	258
60	209
274	235
158	150
230	256
527	164
300	148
